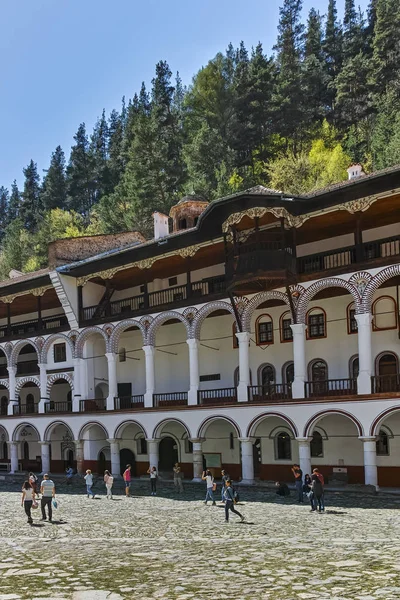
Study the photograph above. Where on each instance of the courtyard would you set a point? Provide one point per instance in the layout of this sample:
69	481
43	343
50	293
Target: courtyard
175	547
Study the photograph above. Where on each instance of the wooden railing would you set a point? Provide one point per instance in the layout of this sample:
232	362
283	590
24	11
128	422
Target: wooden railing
262	256
217	396
170	399
269	393
34	326
27	367
330	387
128	402
381	384
58	407
92	405
25	409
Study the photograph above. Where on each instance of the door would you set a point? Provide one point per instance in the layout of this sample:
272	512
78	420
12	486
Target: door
124	391
168	454
257	457
127	457
389	380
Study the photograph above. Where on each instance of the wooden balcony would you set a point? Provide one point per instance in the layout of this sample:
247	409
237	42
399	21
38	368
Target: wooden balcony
92	405
330	387
269	393
129	402
25	409
34	327
380	384
170	399
217	396
27	367
58	407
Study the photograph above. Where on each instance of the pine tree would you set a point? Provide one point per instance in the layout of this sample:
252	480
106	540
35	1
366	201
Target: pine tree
386	44
54	187
262	76
81	184
14	204
4	199
333	51
314	80
116	161
99	158
370	26
353	31
31	208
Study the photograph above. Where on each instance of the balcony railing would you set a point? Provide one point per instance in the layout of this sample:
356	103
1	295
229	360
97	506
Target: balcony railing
381	384
128	402
170	399
171	296
254	257
217	396
92	405
34	326
25	409
330	387
27	367
58	407
270	393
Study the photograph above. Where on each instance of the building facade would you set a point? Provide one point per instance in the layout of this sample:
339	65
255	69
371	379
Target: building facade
263	330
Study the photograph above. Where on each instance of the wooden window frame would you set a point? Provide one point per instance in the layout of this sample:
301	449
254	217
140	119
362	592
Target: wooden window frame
235	341
64	352
320	337
310	368
284	368
349	309
374	327
380	356
257	330
281	319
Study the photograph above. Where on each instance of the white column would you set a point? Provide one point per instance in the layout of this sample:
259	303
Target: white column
115	459
45	456
13	456
84	385
43	387
244	366
364	353
304	454
246	446
197	459
150	379
193	370
11	384
152	451
112	379
79	456
299	358
370	467
77	384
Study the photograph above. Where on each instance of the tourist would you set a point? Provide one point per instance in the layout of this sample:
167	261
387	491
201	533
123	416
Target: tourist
318	491
229	498
89	482
322	482
224	477
69	473
282	489
307	489
298	480
153	480
33	482
127	479
209	479
28	497
108	480
178	477
48	492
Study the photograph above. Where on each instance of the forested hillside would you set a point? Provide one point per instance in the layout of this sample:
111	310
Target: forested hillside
328	96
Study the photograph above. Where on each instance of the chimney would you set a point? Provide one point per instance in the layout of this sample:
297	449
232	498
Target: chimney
161	225
355	171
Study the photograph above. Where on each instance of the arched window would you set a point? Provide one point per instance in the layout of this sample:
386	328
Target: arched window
316	445
236	377
264	330
318	371
382	443
122	355
384	311
30	404
235	341
288	372
285	327
25	448
266	377
354	367
387	364
182	224
352	326
316	322
5	451
283	446
3	405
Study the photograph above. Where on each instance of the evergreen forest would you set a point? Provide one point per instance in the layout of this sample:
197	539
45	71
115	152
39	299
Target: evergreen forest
328	96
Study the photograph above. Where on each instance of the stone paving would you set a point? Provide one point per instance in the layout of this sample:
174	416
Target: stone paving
171	547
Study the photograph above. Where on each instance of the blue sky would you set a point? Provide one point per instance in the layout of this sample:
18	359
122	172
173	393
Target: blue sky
62	61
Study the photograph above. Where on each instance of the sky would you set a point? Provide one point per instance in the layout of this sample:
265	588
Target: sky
63	61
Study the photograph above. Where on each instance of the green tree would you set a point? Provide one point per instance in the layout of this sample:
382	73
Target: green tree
54	187
353	31
353	91
81	184
386	45
333	52
385	144
99	158
314	78
30	209
116	161
4	200
14	204
16	247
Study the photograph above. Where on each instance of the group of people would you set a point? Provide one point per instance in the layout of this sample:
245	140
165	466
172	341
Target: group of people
229	496
312	486
30	495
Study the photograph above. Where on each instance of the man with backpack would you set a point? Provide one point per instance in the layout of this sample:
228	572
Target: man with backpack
230	498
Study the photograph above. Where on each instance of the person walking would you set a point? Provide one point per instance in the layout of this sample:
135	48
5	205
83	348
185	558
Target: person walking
209	479
89	482
108	480
127	478
298	481
153	480
33	482
178	478
69	473
229	498
224	478
48	491
28	497
307	489
317	486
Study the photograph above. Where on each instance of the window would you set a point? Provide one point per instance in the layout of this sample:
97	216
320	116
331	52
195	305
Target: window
283	446
316	321
235	341
142	289
60	353
382	443
352	326
316	445
231	441
182	224
141	446
288	373
196	219
264	330
172	281
285	328
266	375
188	446
318	371
384	313
30	404
3	405
25	450
122	355
354	367
5	451
212	377
387	364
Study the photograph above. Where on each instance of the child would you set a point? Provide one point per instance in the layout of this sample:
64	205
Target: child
89	482
153	480
108	480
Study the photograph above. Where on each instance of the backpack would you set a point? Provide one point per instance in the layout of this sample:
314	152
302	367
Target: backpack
236	497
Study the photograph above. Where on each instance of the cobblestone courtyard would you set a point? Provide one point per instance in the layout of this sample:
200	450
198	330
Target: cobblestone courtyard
170	547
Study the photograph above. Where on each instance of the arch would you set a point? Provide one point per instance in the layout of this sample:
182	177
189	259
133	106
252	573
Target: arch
5	383
21	381
312	365
308	429
267	333
204	425
120	428
18	347
318	286
206	310
87	426
352	325
286	333
354	366
162	318
85	334
20	427
377	317
260	373
51	340
289	364
383	354
257	420
119	330
255	303
375	283
160	425
49	430
314	329
3	431
56	376
378	421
